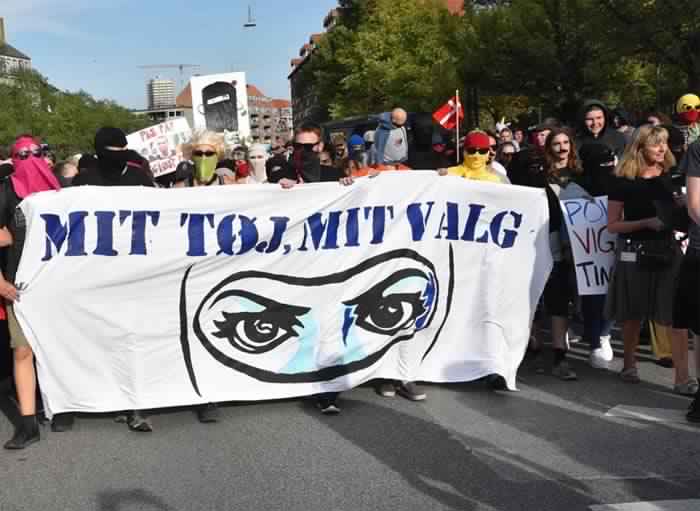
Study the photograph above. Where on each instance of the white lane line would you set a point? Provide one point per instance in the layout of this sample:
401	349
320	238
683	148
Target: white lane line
648	414
657	505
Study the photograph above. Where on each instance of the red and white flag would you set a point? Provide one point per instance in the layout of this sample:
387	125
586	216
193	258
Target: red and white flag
447	114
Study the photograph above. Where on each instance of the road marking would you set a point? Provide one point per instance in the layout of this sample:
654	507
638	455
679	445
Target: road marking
657	505
648	414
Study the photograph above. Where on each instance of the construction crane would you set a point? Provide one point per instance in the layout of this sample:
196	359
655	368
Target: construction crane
181	67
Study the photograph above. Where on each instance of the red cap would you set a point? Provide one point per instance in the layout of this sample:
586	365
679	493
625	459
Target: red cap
477	139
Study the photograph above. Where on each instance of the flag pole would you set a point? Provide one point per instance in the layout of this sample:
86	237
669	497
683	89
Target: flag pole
457	106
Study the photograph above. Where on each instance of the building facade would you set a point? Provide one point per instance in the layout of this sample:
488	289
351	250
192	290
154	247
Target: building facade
11	59
160	94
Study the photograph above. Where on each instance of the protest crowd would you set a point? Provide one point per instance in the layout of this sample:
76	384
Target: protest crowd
649	170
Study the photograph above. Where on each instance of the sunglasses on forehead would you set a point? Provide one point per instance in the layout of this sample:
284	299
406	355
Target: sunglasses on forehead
23	154
199	154
474	150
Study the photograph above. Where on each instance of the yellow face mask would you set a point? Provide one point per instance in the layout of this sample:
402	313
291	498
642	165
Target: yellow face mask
476	162
688	108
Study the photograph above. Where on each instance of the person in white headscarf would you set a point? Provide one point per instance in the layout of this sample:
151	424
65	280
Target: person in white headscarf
257	157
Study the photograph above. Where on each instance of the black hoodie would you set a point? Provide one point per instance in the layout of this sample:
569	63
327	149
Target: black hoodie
609	136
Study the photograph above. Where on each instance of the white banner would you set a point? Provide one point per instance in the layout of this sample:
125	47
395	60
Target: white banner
162	144
593	247
147	298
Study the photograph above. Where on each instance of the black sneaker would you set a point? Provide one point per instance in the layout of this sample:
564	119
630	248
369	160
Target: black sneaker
208	413
693	414
411	391
138	422
62	422
496	382
25	435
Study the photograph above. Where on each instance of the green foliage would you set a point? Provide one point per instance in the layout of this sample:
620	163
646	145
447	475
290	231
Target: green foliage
397	55
67	121
538	57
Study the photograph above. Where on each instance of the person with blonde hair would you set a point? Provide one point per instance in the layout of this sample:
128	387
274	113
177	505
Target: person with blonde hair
640	206
205	150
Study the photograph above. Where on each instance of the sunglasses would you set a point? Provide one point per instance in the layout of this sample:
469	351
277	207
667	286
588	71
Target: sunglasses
23	154
199	154
474	150
688	108
306	147
493	147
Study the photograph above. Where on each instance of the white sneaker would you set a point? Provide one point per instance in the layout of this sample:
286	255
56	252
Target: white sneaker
598	360
607	349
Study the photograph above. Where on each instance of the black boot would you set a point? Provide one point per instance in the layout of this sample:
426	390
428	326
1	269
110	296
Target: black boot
62	422
208	413
26	434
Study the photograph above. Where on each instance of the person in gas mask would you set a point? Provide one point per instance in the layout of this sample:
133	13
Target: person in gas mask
112	167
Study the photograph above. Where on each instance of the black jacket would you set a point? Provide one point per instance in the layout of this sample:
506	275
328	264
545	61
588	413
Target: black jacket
609	136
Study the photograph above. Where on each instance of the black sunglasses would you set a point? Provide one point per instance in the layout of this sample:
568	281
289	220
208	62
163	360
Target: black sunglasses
688	108
199	154
307	147
26	153
474	150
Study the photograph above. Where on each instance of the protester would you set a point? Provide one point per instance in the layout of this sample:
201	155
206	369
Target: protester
648	258
657	118
475	163
257	158
391	140
622	123
596	127
519	137
115	166
688	117
304	165
561	172
369	146
276	164
528	166
505	153
65	172
31	175
493	150
686	313
184	174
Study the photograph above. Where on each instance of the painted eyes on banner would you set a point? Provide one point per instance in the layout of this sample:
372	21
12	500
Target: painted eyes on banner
257	331
382	311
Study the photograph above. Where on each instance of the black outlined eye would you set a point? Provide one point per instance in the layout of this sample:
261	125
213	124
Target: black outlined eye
257	331
392	305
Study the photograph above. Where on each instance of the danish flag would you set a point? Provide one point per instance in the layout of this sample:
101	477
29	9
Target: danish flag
447	114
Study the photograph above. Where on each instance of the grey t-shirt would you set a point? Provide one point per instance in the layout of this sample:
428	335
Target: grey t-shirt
396	149
690	166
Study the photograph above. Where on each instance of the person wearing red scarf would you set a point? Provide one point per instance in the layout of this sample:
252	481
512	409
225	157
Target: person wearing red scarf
31	175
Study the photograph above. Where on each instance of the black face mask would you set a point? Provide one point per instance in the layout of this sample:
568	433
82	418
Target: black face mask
307	164
113	161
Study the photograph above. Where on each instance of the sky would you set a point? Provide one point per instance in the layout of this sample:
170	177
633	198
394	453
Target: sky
97	45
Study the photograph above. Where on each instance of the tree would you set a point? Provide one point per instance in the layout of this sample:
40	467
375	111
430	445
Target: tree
67	121
660	32
398	55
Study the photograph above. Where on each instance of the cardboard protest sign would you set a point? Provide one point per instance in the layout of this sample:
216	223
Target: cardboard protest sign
592	245
162	144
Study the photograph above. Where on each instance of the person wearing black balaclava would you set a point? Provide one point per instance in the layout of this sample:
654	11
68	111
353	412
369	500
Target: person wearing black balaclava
113	159
115	167
305	165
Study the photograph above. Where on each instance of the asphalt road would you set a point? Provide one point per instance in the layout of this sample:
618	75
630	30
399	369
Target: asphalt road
551	446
